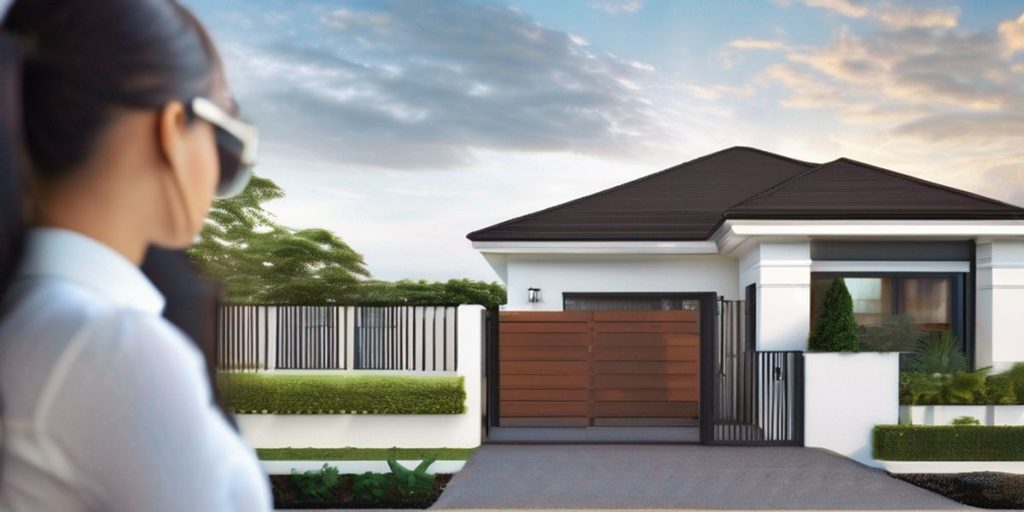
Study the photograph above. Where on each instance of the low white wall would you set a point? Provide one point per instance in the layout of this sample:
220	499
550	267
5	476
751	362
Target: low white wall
385	430
285	467
845	396
944	414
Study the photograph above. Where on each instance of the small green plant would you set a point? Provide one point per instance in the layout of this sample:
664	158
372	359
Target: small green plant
1000	390
836	330
416	482
939	354
893	333
316	484
371	487
1016	375
966	420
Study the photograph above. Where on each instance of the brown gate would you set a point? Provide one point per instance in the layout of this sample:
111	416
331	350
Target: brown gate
599	368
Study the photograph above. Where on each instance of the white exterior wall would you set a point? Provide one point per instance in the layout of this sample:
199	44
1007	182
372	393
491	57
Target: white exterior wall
385	430
945	414
845	396
555	274
782	274
1000	304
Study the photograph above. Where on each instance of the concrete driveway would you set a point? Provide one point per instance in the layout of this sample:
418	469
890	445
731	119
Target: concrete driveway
676	476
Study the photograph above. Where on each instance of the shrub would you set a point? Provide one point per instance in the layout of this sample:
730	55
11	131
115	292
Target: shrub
371	487
316	484
999	390
948	442
337	394
416	482
894	333
1016	375
836	330
966	420
350	453
939	354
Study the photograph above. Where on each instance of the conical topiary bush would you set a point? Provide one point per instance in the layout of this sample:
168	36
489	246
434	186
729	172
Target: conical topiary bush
836	330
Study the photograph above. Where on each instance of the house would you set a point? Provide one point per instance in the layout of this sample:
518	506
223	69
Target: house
677	306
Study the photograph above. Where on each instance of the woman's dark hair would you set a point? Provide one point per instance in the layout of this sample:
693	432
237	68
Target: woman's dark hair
66	68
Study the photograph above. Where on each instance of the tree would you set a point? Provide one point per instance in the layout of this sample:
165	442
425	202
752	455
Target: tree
260	261
836	330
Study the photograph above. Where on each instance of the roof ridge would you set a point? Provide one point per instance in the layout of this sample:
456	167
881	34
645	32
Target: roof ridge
776	187
632	182
932	184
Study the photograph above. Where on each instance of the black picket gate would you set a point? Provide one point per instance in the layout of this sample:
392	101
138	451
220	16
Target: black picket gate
757	396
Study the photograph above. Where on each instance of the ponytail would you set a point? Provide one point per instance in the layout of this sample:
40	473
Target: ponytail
12	200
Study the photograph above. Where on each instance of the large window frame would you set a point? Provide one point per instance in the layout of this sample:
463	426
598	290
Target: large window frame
960	298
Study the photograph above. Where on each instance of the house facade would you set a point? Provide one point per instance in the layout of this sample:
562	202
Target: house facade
769	233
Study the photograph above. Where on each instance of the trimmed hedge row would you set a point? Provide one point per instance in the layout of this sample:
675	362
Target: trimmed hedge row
363	453
949	442
253	393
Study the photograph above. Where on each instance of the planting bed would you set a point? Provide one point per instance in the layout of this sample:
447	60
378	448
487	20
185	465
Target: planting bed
985	489
287	495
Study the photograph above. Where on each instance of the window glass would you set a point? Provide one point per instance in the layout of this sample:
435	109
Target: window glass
872	298
927	300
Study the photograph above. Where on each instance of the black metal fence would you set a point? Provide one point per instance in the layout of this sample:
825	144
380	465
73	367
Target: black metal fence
757	397
411	338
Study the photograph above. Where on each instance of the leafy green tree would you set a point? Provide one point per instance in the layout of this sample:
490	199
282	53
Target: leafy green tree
836	330
259	261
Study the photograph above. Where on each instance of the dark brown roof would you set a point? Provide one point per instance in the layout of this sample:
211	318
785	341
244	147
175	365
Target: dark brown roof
689	201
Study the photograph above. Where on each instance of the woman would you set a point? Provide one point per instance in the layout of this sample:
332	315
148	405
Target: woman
122	140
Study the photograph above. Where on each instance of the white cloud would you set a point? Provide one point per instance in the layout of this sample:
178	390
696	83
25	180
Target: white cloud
748	43
890	14
617	6
1012	34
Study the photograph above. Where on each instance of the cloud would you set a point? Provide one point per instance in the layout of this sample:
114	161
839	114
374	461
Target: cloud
748	43
397	87
895	16
617	6
1012	34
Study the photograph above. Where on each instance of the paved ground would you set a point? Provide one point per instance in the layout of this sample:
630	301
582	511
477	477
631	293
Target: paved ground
676	476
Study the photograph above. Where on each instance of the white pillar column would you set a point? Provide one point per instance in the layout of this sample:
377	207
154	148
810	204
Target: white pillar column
782	274
999	313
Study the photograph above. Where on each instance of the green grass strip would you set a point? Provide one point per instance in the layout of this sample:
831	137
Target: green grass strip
362	453
949	442
259	393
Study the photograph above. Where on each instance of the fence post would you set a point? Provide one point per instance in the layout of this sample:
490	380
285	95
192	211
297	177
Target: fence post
470	333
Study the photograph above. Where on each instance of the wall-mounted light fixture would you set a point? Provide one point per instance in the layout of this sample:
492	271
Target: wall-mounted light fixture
533	294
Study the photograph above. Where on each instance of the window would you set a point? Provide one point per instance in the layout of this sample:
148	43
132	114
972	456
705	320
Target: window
894	311
636	302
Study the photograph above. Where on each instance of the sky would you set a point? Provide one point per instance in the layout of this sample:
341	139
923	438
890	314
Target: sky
404	125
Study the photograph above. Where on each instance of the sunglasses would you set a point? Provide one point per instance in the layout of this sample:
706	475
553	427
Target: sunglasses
236	145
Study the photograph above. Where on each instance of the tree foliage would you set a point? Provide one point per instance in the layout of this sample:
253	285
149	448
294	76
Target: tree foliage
261	262
836	330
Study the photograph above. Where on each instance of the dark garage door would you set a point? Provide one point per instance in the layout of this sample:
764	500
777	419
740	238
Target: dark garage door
599	368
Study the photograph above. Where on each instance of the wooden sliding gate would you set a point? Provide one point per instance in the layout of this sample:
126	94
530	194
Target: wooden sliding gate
599	368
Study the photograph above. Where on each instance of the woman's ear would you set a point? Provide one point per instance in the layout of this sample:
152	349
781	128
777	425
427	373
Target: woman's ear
171	125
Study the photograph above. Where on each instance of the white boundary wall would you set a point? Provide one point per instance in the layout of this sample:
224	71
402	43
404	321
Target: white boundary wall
385	430
945	414
845	396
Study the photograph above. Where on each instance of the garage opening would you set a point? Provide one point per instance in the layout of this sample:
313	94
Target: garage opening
622	367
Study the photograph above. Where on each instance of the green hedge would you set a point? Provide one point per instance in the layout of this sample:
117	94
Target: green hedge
350	453
256	393
949	442
963	388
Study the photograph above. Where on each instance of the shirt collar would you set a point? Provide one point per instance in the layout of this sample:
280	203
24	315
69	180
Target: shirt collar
65	254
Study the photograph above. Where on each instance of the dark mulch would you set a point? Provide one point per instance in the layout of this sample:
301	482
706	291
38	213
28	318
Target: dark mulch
986	489
286	495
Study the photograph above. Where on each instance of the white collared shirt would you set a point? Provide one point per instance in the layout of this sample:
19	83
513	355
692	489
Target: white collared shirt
106	405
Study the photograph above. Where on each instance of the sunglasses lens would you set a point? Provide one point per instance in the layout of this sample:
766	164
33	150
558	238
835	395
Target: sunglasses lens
234	176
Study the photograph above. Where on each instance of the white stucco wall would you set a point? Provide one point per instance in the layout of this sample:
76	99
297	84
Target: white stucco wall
1000	304
555	274
385	430
845	396
782	274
